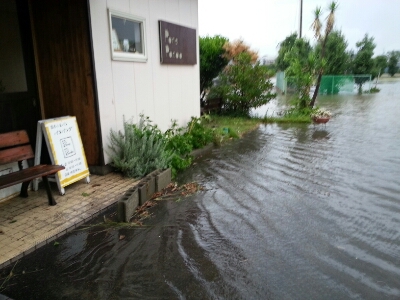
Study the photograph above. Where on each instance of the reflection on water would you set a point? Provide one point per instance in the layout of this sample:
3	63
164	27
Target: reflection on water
289	212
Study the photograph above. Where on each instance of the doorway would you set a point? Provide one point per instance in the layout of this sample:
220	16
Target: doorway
19	105
46	68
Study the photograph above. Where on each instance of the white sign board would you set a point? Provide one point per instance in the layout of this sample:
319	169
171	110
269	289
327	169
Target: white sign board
65	148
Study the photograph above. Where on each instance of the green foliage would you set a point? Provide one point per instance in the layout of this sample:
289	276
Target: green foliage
301	74
363	62
323	40
394	57
179	144
303	49
380	64
140	150
226	128
374	90
198	134
292	115
336	56
244	85
212	60
182	140
284	47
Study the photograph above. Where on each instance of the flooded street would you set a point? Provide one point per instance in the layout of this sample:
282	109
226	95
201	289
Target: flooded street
288	212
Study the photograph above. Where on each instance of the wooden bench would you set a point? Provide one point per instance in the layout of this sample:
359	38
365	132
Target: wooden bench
15	147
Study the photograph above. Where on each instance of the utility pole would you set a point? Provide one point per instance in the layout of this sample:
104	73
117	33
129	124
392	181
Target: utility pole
301	17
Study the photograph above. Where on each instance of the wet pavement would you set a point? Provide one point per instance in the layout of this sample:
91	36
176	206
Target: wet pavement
288	212
26	224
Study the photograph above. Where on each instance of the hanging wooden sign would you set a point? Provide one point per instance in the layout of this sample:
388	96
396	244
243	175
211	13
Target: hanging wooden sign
65	147
177	44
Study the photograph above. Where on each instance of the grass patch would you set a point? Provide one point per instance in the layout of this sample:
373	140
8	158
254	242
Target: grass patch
228	128
290	116
287	119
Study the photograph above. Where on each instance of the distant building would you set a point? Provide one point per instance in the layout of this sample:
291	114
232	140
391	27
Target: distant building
267	61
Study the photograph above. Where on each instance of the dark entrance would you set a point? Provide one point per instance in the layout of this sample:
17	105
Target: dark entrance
19	104
46	68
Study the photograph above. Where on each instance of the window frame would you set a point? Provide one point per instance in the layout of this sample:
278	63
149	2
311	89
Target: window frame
128	56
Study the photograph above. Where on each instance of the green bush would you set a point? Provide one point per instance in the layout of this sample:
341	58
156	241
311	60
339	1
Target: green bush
243	85
143	148
180	145
198	134
140	150
181	141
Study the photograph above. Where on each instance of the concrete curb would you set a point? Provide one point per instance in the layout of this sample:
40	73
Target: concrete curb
137	196
163	178
199	152
127	204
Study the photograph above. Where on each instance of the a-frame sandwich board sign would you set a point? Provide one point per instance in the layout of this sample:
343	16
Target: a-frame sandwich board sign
65	148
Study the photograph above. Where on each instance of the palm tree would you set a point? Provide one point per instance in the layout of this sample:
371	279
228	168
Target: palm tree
317	27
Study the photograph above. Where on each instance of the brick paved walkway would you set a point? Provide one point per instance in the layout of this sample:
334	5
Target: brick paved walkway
29	223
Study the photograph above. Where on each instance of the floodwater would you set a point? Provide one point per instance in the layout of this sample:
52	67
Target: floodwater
288	212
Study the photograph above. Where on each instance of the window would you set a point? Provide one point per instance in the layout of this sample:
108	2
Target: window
127	36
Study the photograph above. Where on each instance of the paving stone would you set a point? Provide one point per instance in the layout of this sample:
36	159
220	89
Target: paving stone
37	223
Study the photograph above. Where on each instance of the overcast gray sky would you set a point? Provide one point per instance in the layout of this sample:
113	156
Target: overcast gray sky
265	23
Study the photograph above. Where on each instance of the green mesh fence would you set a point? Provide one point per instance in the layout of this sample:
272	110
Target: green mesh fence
343	84
335	84
330	84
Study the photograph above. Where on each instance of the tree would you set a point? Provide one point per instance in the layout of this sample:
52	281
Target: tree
322	38
232	50
244	85
363	62
303	50
394	57
380	64
212	61
284	47
336	62
301	73
336	55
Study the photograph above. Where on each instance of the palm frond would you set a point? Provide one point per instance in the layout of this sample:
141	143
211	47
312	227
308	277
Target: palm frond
316	24
330	19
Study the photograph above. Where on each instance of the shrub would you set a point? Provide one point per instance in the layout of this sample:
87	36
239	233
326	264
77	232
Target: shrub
140	150
198	134
244	85
180	145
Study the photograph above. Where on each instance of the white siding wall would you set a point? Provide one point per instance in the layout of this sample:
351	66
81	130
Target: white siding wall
162	92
